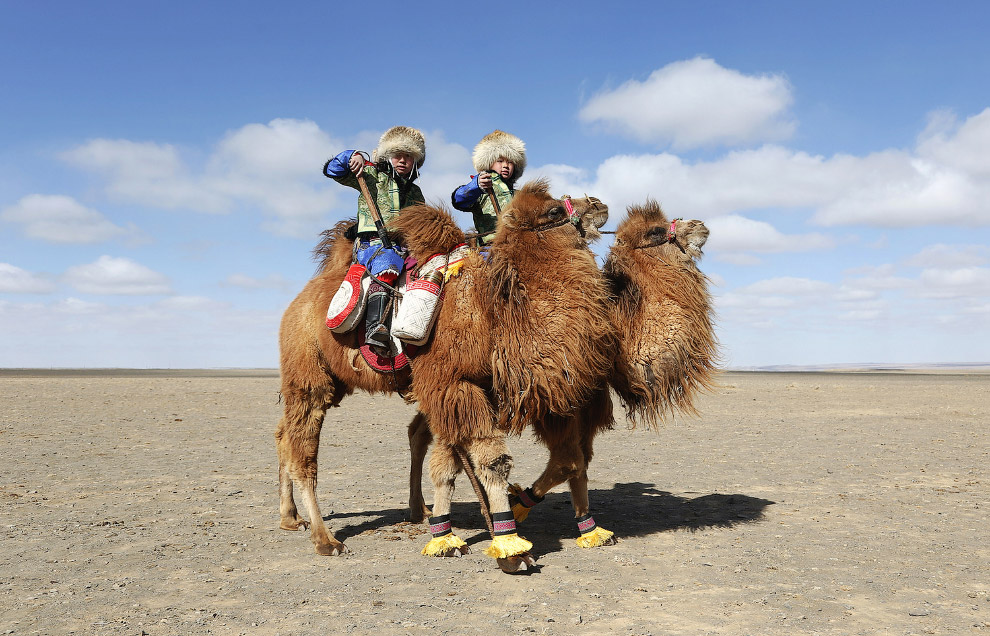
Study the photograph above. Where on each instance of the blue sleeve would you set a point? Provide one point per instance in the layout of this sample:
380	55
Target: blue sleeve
464	197
337	167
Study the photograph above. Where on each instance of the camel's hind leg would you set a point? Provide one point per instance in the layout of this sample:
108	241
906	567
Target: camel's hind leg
419	442
571	445
596	414
297	443
567	462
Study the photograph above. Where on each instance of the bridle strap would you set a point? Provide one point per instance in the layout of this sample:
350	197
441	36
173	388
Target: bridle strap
549	226
670	238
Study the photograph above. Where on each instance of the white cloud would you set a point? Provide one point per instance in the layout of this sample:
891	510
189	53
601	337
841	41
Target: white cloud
274	167
77	307
176	332
62	219
448	165
117	276
964	283
788	286
183	304
146	173
15	280
696	103
734	233
861	315
948	256
943	181
960	146
272	281
878	277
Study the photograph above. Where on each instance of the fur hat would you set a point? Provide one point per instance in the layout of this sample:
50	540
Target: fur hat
401	139
496	145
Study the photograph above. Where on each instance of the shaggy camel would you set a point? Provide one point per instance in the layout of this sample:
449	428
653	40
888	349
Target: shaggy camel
666	354
510	344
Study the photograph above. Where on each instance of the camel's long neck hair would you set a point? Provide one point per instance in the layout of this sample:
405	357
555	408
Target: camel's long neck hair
550	314
667	350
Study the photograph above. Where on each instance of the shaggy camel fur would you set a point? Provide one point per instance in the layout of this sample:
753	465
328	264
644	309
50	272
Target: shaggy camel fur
521	337
666	354
525	339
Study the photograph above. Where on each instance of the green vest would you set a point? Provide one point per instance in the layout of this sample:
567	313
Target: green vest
385	192
485	219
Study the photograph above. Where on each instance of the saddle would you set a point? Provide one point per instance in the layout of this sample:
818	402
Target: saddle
415	303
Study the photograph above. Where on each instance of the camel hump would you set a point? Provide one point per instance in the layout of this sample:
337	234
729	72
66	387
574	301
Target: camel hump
335	247
426	230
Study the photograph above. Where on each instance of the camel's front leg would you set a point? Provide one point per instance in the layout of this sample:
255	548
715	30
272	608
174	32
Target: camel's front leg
492	465
419	442
297	442
444	467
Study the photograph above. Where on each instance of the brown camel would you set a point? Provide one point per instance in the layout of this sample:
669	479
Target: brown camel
518	338
666	354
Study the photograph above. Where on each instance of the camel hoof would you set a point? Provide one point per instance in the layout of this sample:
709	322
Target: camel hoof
330	549
294	524
419	516
455	552
524	563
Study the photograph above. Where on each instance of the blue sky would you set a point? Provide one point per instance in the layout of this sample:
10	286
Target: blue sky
160	186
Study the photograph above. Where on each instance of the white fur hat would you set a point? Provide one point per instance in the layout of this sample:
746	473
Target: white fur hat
401	139
496	145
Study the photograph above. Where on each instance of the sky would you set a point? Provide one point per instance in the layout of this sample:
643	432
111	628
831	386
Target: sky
160	163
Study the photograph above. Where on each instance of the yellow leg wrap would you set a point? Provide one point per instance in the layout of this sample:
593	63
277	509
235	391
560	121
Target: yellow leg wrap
519	511
508	545
595	538
440	545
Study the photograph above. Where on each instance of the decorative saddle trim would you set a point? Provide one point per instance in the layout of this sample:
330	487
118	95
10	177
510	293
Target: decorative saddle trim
449	263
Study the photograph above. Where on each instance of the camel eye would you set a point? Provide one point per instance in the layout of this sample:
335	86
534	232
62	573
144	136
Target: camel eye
654	234
556	214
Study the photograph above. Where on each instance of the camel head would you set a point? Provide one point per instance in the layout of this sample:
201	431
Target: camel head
647	227
534	233
663	311
591	214
534	210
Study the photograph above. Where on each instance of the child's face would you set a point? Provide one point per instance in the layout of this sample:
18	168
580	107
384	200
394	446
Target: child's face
403	163
504	168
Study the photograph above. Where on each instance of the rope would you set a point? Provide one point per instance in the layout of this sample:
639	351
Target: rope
482	499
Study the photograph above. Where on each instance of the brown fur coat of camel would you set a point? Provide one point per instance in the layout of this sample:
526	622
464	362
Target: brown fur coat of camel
667	351
521	338
665	354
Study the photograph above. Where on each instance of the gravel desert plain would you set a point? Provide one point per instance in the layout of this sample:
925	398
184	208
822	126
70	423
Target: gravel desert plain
145	502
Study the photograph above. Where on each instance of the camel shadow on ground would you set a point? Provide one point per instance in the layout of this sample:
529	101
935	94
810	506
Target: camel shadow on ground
632	509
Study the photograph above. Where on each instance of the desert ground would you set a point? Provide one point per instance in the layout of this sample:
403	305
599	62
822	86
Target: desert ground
145	502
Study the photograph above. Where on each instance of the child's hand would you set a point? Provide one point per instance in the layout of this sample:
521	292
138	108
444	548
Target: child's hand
356	163
485	181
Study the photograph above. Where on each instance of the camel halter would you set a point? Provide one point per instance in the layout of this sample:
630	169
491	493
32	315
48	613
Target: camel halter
670	238
554	224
